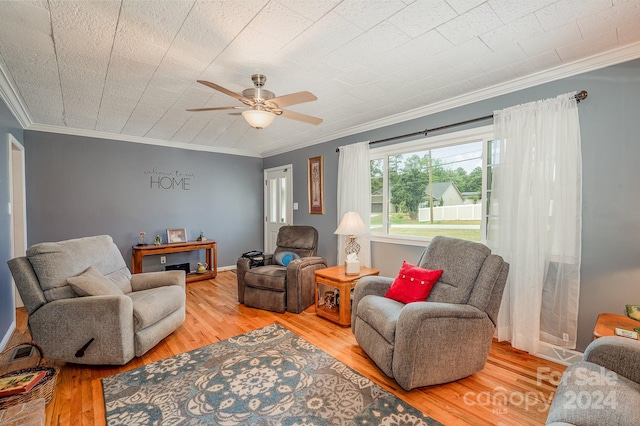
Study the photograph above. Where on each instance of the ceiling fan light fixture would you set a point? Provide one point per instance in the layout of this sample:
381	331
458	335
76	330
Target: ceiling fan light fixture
262	105
258	119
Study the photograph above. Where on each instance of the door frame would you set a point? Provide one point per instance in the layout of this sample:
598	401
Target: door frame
288	170
17	202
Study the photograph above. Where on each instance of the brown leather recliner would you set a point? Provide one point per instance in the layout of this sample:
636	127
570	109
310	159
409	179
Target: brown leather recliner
278	288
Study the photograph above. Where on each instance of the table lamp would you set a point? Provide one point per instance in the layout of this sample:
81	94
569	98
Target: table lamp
352	225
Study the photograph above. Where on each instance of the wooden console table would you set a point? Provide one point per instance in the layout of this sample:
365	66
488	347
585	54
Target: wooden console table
138	252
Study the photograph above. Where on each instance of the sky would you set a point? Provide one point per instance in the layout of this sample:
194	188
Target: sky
468	156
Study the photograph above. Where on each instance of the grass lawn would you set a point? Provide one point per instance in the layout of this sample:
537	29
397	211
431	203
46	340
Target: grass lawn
463	234
424	231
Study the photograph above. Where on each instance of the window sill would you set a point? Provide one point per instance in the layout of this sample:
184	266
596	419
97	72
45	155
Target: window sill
399	239
403	240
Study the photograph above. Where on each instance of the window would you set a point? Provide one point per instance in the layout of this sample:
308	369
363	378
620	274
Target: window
432	186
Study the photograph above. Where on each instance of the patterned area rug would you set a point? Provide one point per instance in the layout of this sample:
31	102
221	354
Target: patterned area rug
269	376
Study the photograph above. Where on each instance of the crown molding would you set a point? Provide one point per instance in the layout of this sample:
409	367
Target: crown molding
14	102
10	96
602	60
138	139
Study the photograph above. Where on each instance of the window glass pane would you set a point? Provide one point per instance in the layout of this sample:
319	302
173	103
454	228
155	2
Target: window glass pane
493	158
273	201
437	192
283	200
376	194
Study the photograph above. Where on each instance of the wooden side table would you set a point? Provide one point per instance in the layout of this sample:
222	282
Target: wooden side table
329	279
607	323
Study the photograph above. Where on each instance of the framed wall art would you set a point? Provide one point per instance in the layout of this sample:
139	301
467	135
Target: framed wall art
178	235
316	185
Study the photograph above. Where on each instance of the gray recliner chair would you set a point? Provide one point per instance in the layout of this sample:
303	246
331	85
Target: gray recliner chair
445	338
80	289
279	288
603	388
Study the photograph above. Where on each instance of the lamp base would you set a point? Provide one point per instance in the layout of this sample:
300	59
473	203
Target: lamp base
352	267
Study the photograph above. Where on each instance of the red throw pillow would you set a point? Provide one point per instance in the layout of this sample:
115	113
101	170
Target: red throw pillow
413	284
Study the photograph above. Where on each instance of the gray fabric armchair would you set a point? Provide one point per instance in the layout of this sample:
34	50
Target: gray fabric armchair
278	288
81	289
603	388
445	338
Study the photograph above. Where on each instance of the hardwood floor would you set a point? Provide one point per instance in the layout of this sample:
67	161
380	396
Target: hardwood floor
506	392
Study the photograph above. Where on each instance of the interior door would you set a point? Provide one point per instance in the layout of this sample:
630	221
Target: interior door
278	203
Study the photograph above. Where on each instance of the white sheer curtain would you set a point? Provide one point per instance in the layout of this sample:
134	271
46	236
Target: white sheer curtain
535	221
354	188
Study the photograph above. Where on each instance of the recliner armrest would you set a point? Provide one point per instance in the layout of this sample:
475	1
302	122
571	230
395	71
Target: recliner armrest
432	319
243	264
147	280
64	326
427	310
304	262
420	315
451	341
301	282
618	354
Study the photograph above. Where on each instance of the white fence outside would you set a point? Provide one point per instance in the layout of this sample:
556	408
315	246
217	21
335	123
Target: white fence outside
461	212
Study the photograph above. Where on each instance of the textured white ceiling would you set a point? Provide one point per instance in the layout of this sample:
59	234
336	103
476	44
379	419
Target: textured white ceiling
130	67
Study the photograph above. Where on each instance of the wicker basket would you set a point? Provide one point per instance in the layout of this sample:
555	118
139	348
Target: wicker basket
44	389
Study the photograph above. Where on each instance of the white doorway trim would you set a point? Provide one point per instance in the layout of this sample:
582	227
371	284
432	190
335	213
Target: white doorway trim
17	205
278	202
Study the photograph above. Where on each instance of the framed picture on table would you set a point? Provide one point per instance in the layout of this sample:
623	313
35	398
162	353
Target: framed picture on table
178	235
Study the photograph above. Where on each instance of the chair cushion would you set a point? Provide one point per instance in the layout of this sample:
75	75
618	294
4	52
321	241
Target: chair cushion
302	240
269	277
151	306
413	284
121	278
53	263
92	283
461	262
381	314
284	257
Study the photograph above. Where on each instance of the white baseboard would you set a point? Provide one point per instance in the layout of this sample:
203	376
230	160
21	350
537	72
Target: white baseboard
7	336
561	356
226	268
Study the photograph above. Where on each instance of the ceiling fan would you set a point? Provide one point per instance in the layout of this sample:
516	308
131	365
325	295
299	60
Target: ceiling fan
262	106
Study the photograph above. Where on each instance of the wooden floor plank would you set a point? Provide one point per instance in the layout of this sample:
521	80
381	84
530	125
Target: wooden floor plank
493	396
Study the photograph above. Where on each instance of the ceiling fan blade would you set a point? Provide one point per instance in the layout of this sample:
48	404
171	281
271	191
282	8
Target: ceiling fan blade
225	91
301	117
294	99
215	108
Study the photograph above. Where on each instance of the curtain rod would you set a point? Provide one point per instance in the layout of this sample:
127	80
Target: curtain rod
581	96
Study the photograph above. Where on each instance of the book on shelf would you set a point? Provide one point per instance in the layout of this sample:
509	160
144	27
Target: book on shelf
21	383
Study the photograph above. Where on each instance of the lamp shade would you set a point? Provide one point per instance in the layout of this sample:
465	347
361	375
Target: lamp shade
258	118
351	224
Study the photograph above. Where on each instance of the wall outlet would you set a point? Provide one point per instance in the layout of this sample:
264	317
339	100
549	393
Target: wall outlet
163	260
565	337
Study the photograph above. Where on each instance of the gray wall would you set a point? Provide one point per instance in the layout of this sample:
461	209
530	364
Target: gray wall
82	186
610	125
78	186
8	125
